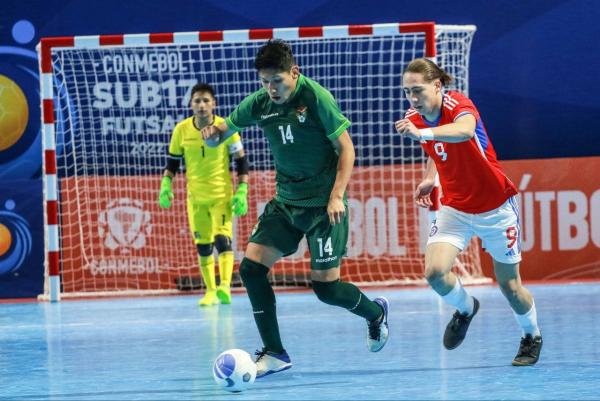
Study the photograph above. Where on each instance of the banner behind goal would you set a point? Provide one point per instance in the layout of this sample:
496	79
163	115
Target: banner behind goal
110	103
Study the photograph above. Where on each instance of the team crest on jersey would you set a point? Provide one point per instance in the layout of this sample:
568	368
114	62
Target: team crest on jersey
301	113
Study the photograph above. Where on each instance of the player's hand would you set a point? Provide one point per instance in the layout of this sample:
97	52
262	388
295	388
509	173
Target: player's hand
422	197
406	128
239	203
336	210
211	136
166	193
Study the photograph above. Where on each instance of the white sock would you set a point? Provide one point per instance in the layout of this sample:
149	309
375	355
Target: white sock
459	298
528	322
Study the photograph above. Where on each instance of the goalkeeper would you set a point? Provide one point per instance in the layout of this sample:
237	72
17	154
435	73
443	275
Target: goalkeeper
210	198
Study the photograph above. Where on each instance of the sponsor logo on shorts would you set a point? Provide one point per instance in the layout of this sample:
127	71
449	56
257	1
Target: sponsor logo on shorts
433	231
325	260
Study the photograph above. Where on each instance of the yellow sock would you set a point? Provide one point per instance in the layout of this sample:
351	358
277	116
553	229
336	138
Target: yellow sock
226	267
207	269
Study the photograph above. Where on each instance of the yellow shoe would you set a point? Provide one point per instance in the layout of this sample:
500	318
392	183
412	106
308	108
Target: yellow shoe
224	294
209	299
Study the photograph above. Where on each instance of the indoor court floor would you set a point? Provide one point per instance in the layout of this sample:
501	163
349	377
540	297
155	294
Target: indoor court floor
162	348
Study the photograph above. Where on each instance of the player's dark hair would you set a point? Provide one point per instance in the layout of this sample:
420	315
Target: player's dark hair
202	87
276	54
430	70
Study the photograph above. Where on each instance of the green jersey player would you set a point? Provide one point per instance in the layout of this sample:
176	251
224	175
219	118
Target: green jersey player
314	156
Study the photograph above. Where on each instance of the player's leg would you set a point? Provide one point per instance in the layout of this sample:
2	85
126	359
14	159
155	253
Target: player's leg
327	245
200	224
221	216
449	234
272	237
500	232
523	306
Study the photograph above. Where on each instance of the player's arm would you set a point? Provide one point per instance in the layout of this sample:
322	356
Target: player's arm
461	130
345	149
241	166
172	165
336	125
165	196
239	202
241	117
214	135
426	186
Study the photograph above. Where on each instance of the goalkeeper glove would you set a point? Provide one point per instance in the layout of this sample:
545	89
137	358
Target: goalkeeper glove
239	203
166	193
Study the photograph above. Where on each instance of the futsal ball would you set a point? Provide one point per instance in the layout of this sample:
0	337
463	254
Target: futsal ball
234	370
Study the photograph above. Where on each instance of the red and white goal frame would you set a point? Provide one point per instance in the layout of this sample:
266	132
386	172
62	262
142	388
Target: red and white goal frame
450	45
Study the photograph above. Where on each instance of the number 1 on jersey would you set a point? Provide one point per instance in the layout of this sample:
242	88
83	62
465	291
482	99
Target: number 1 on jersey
286	134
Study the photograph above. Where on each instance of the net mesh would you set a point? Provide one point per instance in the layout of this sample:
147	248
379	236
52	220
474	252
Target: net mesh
116	108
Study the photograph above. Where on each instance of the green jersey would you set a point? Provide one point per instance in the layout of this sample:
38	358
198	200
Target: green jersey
299	132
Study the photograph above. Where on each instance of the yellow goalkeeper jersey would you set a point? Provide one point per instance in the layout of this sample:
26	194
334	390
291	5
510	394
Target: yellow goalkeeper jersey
207	169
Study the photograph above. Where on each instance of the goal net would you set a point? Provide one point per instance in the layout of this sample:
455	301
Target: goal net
110	103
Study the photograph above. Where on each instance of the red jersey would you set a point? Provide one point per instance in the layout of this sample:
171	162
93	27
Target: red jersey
471	178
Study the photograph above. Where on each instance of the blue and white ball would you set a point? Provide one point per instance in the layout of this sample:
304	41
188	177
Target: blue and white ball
234	370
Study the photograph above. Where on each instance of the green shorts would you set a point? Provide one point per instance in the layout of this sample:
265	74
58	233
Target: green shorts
282	227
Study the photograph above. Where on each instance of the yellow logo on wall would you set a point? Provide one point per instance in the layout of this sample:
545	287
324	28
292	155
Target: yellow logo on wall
14	112
5	239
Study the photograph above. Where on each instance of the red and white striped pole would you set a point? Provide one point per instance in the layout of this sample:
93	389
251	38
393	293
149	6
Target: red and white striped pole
51	234
241	35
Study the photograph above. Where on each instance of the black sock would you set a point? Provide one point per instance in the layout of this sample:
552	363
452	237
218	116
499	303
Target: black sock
348	296
262	298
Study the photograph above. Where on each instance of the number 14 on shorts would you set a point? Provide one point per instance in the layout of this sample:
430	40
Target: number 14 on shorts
327	248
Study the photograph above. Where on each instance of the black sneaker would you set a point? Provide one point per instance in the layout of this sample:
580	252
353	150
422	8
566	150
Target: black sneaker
529	351
457	328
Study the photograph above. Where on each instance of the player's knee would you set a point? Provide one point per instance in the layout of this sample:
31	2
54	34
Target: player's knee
251	272
326	290
205	249
510	288
222	243
434	273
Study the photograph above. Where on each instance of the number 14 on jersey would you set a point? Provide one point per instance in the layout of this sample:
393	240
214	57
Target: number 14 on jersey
286	134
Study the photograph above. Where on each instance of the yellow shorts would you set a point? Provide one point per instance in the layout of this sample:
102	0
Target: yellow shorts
208	219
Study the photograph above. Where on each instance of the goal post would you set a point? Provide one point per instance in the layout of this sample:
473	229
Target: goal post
110	102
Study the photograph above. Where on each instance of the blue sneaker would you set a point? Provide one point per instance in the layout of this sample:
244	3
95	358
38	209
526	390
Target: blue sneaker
378	332
269	362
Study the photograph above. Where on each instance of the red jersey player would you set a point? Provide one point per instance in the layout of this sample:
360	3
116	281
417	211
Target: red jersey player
478	199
